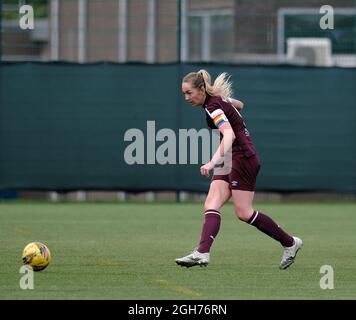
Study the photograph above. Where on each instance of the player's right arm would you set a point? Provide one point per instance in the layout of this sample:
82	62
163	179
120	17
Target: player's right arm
236	103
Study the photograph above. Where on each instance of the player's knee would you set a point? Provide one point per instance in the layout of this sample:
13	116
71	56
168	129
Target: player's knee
242	213
212	205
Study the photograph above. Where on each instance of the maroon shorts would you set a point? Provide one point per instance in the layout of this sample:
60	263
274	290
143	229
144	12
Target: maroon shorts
243	173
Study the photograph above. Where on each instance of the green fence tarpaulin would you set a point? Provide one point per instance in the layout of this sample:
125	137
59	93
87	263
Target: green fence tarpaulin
62	126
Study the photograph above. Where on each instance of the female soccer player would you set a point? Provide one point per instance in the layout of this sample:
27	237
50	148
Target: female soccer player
233	177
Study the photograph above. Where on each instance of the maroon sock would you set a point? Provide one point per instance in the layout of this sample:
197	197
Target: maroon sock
269	227
210	229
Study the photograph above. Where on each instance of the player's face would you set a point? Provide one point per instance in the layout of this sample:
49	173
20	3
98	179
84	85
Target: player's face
194	96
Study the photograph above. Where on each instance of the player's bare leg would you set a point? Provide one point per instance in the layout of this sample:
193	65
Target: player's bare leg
219	193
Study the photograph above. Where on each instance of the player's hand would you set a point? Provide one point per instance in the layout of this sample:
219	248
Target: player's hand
204	170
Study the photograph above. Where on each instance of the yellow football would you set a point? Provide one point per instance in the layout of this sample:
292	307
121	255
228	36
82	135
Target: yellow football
36	255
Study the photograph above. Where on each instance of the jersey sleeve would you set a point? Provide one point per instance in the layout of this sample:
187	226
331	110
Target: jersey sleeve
217	115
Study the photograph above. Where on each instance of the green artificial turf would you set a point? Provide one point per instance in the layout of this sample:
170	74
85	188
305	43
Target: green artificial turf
126	251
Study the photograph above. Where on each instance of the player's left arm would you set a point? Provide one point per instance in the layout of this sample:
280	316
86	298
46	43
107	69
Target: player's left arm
225	143
224	146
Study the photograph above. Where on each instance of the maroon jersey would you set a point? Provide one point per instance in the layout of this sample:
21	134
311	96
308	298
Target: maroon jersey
218	111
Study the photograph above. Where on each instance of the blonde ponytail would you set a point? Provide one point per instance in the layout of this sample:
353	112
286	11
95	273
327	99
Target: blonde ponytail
221	87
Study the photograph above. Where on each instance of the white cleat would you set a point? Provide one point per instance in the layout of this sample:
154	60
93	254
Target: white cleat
194	259
290	253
